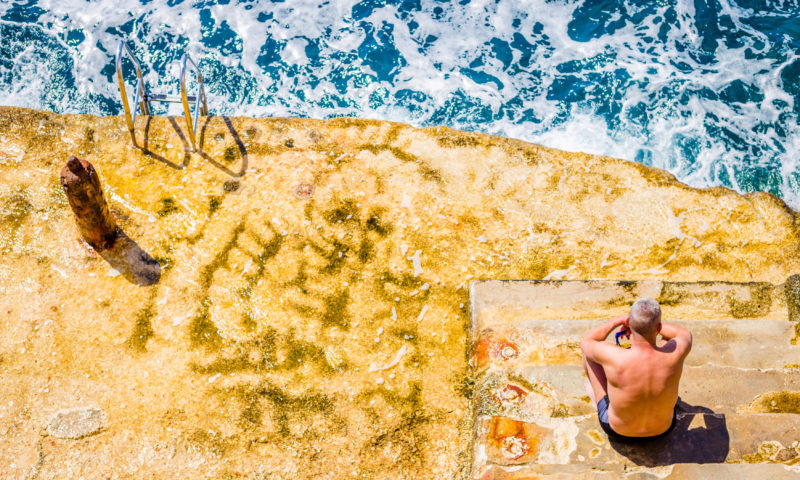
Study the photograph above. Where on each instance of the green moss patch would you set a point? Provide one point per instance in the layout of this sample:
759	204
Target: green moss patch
202	331
758	305
167	205
16	208
457	140
142	329
213	205
777	402
791	290
427	172
284	408
671	294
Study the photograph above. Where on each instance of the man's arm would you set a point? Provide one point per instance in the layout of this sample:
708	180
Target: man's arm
682	337
594	345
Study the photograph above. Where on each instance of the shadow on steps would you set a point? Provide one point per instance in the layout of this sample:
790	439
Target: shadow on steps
700	436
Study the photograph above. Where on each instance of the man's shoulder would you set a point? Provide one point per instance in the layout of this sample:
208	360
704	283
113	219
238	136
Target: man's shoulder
682	348
675	346
607	353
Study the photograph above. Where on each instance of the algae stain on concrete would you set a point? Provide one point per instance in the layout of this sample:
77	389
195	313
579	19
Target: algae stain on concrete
671	295
335	312
202	330
758	305
15	209
143	328
792	295
256	355
776	402
404	442
286	410
425	170
167	205
213	205
766	453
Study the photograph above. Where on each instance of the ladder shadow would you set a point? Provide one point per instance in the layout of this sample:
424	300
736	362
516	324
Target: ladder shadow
700	436
146	150
236	138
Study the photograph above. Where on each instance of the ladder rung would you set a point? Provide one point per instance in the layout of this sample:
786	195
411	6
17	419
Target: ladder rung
142	98
169	98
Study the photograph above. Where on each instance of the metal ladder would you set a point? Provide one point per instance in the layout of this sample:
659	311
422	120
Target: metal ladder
142	98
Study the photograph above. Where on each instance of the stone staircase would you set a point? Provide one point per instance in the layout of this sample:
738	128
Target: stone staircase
740	389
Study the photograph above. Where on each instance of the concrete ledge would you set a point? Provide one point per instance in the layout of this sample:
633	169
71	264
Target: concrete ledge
498	302
713	471
558	390
697	438
736	343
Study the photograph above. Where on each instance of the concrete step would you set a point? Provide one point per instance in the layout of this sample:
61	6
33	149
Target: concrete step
737	343
681	471
502	302
697	438
534	392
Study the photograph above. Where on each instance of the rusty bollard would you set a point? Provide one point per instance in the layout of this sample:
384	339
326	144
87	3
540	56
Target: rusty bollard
82	186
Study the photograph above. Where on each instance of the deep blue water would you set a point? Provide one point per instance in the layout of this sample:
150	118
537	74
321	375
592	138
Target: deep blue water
708	89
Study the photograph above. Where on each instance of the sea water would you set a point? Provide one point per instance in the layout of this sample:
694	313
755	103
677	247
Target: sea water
707	89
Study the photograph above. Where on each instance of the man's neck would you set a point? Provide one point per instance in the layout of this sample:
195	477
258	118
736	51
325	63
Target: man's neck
642	341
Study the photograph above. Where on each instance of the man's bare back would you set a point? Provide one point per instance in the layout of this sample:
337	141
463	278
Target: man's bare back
641	383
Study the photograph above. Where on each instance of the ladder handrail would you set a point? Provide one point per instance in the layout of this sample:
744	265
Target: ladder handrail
142	98
140	91
192	125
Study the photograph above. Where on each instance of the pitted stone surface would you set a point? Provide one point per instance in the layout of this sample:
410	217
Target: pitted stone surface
77	422
738	343
500	302
559	388
697	438
673	472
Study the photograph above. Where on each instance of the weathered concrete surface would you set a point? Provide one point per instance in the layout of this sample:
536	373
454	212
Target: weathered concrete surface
738	343
500	303
697	438
559	389
671	472
286	250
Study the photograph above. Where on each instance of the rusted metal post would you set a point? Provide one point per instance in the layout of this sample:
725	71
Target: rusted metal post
82	186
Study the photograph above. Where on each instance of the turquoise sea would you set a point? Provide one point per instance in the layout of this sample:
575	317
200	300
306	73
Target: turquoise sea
708	89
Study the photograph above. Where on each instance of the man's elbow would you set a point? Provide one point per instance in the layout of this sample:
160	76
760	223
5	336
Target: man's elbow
687	337
584	344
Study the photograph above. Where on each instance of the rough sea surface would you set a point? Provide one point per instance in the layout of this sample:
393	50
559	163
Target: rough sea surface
708	89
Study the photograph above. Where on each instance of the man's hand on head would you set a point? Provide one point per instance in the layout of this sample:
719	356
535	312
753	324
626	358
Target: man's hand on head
594	344
621	320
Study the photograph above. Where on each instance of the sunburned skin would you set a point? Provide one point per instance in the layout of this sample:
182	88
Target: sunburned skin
641	382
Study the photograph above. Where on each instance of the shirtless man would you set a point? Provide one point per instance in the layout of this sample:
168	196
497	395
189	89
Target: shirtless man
636	389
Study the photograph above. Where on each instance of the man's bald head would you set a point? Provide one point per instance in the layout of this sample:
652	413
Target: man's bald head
645	317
